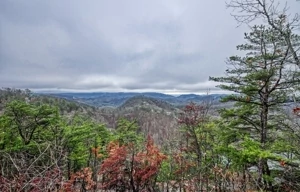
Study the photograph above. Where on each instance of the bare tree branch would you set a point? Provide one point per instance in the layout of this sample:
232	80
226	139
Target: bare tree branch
271	13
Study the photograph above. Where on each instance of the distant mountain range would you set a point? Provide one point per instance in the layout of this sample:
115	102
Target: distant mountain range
156	114
108	99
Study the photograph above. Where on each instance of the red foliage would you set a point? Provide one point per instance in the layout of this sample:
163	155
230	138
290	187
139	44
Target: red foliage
183	164
114	167
282	163
129	170
147	163
81	179
15	184
296	111
49	180
192	115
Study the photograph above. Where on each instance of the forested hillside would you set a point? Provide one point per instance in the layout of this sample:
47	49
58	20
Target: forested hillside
250	143
57	145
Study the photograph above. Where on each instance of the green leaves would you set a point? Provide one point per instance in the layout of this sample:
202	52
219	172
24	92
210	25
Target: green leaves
26	122
81	136
263	80
127	132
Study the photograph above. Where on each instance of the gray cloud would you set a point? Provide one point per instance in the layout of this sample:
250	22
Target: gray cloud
166	46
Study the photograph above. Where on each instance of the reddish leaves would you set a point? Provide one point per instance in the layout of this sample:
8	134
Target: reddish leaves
296	111
147	163
126	169
282	163
81	179
193	114
49	180
113	168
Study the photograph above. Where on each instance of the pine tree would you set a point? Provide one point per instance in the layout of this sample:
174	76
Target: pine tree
262	80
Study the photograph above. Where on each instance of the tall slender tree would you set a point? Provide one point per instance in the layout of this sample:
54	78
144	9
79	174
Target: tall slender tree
262	79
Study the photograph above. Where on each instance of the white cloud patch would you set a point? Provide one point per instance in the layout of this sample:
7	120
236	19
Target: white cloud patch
98	81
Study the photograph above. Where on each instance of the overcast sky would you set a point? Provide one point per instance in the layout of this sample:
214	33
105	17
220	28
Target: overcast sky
167	46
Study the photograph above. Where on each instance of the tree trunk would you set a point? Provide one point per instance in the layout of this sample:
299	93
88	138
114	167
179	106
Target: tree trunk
263	168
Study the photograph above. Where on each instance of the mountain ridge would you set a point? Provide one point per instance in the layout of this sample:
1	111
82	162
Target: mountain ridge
117	99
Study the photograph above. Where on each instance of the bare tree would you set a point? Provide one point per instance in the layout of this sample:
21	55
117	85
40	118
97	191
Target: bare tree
270	12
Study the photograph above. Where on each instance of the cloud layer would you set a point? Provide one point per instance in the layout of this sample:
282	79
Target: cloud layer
114	45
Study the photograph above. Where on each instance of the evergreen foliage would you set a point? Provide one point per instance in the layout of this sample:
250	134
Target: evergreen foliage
263	80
